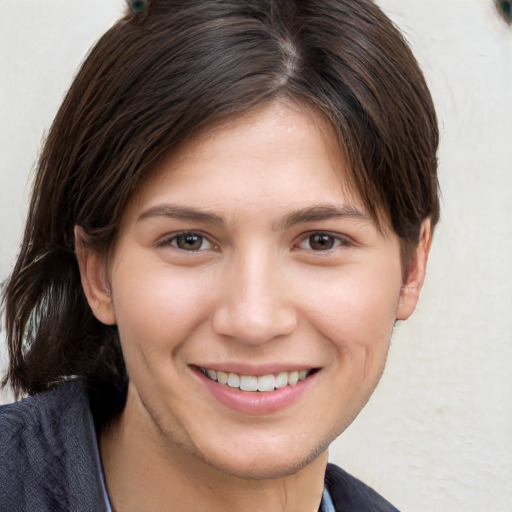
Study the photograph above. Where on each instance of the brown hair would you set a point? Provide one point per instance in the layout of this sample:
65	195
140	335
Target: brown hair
155	80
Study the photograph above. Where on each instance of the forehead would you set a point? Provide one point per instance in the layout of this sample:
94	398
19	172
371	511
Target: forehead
280	154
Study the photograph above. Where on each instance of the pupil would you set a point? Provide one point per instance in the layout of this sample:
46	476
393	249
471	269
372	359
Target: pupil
190	242
321	242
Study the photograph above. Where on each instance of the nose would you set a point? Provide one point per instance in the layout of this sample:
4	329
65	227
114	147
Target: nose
255	303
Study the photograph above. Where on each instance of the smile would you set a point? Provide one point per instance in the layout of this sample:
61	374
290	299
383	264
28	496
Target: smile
264	383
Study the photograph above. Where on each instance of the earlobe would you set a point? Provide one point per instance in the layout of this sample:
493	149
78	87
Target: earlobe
411	288
94	277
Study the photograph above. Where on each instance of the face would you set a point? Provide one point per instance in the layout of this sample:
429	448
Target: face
254	296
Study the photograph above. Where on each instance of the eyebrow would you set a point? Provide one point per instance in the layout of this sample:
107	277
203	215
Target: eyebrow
182	213
318	213
313	213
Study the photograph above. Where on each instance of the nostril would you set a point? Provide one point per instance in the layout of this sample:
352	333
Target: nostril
254	323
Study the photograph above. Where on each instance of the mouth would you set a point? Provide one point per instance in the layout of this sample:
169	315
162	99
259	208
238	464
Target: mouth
255	383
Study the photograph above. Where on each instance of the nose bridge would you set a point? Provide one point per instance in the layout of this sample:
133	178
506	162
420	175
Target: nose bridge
255	305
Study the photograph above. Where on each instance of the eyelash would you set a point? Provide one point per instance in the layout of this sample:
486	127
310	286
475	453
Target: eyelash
335	240
174	240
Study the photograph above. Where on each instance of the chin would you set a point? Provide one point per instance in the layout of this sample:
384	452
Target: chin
266	464
262	470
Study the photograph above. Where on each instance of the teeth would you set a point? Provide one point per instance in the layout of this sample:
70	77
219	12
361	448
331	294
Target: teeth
281	380
248	383
266	383
254	383
293	378
222	377
233	380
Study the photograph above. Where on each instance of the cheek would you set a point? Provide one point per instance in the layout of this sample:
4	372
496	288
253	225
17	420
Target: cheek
357	309
156	308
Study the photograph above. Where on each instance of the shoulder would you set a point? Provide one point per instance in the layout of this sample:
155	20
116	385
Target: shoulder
27	413
49	451
348	493
37	422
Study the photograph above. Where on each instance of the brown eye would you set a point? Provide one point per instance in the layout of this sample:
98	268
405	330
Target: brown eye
322	242
190	242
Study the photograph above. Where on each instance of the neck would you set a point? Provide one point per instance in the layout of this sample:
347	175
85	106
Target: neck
144	473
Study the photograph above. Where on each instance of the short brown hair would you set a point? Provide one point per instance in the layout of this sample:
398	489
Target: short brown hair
155	80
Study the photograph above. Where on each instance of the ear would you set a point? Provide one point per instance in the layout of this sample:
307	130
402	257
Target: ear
411	288
95	280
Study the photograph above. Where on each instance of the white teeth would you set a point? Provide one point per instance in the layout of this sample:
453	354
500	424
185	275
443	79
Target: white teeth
248	383
281	380
233	380
264	383
293	378
222	377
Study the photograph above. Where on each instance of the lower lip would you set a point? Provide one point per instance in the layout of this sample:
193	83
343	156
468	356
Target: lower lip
256	403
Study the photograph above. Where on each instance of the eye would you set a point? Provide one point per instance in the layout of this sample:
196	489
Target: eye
321	242
189	241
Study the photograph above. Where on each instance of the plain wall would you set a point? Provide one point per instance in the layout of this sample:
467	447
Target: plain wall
437	434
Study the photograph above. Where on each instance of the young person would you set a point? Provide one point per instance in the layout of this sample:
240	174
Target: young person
234	205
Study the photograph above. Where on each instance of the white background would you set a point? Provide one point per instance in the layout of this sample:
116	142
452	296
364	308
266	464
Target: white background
437	435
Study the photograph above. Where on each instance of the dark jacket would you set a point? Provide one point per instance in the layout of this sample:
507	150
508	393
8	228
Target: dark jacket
49	460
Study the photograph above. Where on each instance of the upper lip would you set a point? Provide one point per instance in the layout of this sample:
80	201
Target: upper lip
251	369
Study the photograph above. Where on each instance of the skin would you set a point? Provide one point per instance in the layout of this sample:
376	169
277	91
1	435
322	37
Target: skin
258	292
